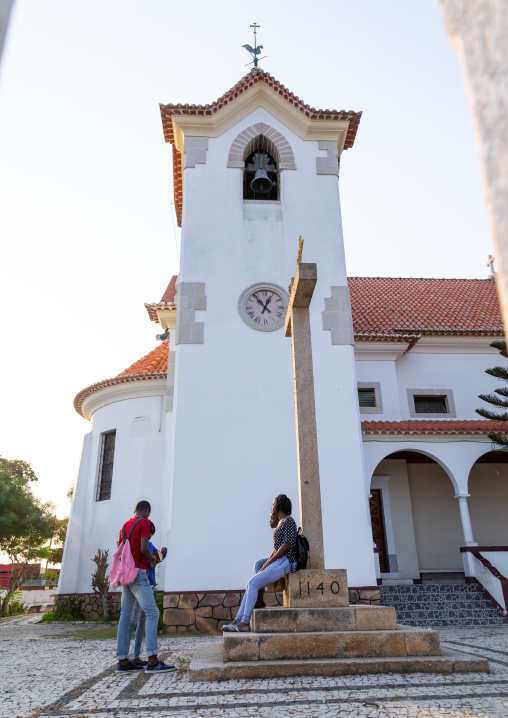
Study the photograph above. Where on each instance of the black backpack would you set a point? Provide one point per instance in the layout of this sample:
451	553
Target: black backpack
302	551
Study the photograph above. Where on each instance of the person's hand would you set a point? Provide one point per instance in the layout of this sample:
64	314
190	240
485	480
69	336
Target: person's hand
164	551
154	560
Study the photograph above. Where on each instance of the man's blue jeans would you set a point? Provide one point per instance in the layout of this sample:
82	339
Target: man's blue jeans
140	593
272	573
138	623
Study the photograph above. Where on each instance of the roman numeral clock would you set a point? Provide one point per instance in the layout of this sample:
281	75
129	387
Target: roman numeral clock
263	306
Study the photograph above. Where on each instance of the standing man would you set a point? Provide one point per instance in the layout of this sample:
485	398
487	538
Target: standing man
139	592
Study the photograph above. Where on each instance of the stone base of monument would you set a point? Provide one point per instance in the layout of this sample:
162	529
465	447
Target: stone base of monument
317	633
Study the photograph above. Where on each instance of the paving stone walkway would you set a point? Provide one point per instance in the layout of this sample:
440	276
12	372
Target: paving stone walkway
48	670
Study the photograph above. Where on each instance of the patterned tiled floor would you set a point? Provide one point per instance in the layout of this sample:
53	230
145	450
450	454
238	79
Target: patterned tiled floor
49	672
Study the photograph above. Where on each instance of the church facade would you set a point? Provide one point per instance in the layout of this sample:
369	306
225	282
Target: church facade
203	426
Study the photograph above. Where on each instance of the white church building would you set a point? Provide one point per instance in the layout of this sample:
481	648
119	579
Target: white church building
413	492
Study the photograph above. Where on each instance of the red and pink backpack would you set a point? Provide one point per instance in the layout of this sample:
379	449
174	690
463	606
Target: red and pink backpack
123	569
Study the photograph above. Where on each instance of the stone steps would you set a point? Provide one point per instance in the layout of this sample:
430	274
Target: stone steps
208	665
348	618
440	605
406	641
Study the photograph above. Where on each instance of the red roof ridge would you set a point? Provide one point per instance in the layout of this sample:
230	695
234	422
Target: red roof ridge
430	426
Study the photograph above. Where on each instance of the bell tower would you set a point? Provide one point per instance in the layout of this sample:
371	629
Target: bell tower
252	172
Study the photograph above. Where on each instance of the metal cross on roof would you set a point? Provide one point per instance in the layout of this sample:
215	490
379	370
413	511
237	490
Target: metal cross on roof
490	265
256	50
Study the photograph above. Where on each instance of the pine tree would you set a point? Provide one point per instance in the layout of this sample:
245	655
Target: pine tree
499	398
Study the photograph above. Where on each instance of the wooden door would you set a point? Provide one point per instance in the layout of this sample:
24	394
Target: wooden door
378	527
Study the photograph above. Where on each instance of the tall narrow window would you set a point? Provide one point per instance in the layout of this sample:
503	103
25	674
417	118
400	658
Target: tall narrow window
106	460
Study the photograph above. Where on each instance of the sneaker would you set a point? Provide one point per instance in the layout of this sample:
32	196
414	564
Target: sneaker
240	629
130	666
139	662
159	667
230	626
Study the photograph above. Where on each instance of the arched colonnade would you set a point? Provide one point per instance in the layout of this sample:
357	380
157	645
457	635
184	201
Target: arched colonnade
418	487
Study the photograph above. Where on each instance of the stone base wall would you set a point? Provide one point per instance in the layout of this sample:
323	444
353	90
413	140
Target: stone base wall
91	603
208	612
205	612
364	597
186	613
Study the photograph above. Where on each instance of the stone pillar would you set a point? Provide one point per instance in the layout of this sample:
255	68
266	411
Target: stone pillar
478	29
298	328
466	520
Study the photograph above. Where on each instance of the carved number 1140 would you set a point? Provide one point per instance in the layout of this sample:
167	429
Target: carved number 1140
334	588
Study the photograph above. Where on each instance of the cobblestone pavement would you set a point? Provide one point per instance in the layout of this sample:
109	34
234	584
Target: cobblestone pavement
47	671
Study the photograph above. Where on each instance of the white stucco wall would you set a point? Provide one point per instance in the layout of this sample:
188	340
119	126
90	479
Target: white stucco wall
436	518
234	439
463	373
137	474
488	502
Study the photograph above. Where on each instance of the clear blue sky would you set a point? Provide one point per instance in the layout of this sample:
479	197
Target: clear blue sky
86	179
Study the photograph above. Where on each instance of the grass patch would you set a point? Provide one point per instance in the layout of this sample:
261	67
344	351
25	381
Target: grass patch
91	634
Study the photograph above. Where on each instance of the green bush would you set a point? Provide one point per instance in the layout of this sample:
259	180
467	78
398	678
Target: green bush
68	609
159	600
16	604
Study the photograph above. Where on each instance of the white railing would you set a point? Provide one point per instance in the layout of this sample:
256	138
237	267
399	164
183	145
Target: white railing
487	566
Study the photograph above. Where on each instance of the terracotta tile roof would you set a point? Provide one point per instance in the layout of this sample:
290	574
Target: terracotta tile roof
167	301
388	308
251	79
431	426
152	366
155	362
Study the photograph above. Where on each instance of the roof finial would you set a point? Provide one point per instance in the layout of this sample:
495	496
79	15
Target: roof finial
256	50
490	264
300	250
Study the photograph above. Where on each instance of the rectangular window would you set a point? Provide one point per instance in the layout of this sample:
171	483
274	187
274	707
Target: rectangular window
369	397
366	397
430	405
106	460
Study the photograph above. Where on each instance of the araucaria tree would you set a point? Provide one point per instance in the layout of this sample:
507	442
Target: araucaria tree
26	523
498	399
100	580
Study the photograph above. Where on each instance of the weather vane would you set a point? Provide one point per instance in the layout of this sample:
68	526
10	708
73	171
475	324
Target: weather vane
256	50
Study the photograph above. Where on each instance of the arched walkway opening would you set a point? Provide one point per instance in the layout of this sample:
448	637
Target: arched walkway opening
488	498
416	519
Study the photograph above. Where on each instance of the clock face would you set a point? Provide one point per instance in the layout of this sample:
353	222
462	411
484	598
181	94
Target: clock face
263	307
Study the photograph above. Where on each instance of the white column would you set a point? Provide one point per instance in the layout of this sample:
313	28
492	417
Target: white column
466	520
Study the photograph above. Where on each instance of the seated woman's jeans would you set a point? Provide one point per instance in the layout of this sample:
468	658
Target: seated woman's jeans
272	573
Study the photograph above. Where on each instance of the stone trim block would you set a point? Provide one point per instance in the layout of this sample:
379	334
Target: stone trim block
337	317
267	139
194	151
190	298
328	165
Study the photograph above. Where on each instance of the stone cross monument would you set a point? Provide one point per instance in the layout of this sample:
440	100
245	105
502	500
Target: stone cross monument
301	290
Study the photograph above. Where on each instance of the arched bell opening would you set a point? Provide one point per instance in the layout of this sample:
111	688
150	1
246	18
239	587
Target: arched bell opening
488	498
260	177
416	523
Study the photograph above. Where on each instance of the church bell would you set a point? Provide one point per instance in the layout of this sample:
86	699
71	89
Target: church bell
261	184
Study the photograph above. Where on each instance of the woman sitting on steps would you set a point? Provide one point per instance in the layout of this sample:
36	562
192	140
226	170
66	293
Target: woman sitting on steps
280	563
